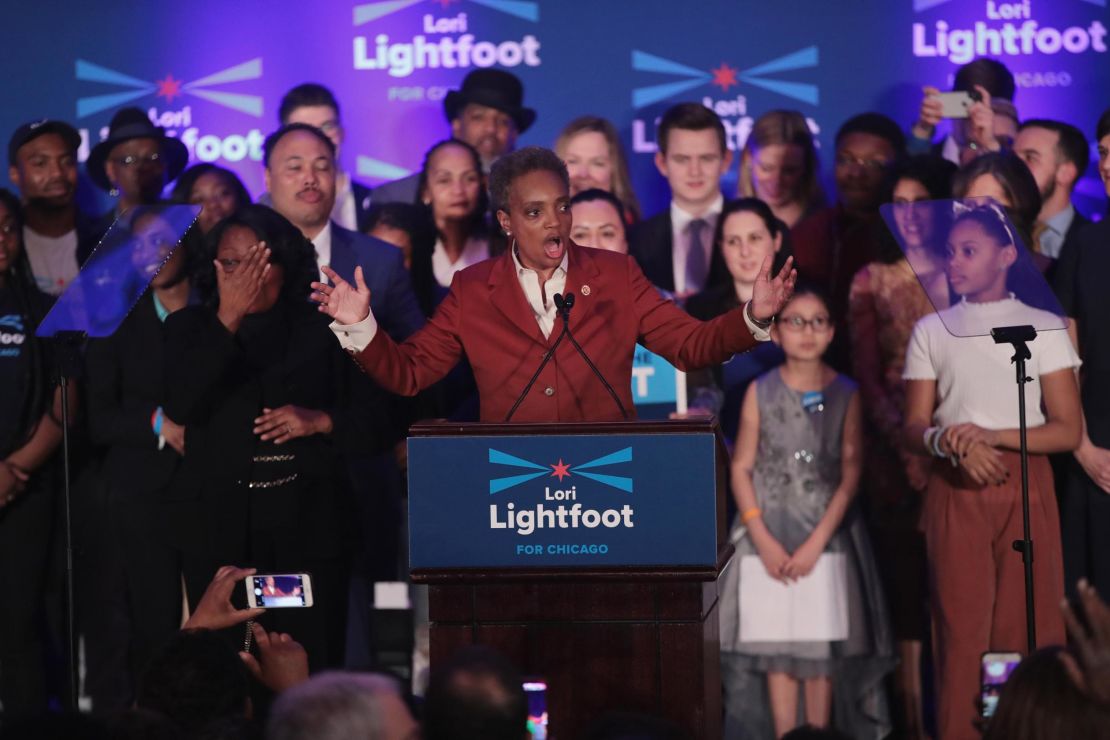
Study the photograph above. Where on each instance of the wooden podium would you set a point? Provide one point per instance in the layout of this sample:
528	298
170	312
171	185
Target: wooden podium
621	636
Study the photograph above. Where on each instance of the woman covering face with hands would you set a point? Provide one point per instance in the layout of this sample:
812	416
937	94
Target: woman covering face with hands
502	313
256	379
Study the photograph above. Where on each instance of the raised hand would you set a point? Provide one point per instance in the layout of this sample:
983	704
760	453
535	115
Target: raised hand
981	121
769	296
240	286
345	303
215	610
930	114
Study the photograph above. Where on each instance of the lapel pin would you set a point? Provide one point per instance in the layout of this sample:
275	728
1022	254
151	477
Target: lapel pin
584	290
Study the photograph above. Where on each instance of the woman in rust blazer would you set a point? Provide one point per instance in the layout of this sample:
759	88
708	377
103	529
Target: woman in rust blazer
502	313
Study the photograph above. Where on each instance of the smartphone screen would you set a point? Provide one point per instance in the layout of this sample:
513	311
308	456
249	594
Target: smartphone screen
996	670
536	691
275	591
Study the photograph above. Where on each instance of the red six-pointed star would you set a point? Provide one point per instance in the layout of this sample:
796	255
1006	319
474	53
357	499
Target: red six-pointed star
168	88
724	77
561	470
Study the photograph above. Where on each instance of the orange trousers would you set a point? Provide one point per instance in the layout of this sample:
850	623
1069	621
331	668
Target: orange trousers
977	579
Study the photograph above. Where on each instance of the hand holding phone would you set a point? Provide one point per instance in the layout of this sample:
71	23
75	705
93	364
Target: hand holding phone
279	590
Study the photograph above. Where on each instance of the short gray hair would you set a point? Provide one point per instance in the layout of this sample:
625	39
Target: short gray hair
336	705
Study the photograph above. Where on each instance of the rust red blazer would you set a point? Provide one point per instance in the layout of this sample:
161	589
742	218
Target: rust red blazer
487	316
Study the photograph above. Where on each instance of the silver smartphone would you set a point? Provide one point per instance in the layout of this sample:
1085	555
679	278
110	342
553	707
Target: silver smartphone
279	590
956	104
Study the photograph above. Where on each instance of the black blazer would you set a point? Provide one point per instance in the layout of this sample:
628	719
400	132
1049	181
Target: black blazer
1062	268
218	383
125	383
651	243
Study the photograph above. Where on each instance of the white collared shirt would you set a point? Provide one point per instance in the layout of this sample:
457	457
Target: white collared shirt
680	241
543	310
474	251
344	212
322	242
1055	231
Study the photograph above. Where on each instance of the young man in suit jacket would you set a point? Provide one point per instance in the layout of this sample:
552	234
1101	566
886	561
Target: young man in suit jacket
675	247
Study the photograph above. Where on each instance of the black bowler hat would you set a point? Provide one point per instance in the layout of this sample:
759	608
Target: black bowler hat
133	123
33	130
494	88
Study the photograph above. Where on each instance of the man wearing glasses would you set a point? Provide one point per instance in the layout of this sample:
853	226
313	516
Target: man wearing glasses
135	162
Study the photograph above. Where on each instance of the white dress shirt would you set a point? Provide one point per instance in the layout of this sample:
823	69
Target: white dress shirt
322	242
344	212
474	251
680	240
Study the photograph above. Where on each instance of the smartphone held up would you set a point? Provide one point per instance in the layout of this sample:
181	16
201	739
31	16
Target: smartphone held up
279	590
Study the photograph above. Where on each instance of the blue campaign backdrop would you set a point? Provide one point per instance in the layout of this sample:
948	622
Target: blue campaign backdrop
562	500
214	72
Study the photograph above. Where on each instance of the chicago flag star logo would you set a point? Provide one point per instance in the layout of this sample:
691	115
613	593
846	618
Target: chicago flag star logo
560	470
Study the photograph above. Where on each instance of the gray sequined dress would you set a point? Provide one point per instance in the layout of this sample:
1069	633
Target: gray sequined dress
797	470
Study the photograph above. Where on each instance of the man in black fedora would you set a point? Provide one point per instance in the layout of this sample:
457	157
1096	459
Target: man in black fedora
135	162
487	112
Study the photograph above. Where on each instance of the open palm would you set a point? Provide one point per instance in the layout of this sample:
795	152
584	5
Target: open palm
770	295
345	303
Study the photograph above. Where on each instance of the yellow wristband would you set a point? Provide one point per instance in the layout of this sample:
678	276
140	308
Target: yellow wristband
750	514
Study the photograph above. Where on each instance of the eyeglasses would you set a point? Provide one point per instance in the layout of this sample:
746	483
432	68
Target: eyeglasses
133	160
874	165
797	323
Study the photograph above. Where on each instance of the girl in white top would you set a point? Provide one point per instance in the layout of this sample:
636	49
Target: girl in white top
961	407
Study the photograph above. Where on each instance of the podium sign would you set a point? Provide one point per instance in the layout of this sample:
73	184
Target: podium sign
658	387
570	500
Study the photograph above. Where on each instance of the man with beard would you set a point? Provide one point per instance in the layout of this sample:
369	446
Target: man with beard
487	112
1057	154
42	163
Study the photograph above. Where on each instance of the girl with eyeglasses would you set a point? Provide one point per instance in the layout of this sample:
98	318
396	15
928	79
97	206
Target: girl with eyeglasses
801	547
961	409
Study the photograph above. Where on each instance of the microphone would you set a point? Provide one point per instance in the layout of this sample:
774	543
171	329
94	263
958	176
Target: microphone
567	302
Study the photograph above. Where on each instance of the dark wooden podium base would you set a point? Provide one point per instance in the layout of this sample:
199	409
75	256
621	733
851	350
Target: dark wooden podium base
600	642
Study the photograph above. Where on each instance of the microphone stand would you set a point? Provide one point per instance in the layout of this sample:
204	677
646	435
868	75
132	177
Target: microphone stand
568	303
1018	336
546	358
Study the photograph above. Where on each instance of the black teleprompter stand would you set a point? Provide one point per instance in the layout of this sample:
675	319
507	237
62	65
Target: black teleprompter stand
1019	336
68	346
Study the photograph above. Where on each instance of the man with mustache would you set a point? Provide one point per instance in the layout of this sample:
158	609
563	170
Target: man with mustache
301	177
487	112
42	159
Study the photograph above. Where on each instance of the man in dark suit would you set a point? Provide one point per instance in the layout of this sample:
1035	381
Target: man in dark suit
1057	154
675	247
301	180
488	113
315	105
